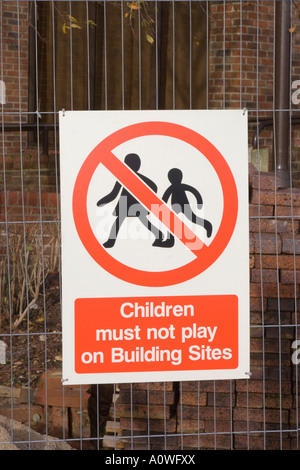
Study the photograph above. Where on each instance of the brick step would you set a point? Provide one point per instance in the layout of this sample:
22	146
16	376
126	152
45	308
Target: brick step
51	392
21	413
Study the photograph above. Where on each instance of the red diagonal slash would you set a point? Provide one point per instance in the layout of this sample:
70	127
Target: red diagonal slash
152	202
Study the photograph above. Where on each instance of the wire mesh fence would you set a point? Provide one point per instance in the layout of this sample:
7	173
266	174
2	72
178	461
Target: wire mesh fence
117	55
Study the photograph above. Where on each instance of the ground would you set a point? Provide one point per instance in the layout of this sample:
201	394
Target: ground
29	351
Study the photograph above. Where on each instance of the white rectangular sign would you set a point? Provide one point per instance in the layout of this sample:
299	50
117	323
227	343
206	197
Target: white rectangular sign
155	245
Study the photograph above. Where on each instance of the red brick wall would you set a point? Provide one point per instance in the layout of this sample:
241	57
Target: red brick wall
15	46
241	62
241	67
241	55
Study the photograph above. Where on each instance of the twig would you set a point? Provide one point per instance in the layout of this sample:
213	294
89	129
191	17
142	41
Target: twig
33	301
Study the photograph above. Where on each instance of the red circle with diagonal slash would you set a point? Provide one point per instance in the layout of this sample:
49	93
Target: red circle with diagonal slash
206	256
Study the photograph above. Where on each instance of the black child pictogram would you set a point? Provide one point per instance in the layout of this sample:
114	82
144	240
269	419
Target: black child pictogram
128	206
179	201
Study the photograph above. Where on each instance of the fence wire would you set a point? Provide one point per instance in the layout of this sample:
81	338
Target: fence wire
87	55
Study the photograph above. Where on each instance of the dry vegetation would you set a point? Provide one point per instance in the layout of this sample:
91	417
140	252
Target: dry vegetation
30	313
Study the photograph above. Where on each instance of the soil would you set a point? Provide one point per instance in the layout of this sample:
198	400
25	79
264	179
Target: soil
36	345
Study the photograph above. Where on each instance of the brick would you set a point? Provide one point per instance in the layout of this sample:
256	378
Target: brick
259	386
265	275
58	425
136	396
272	290
273	225
8	394
249	386
79	423
148	426
193	398
252	400
32	198
164	386
206	441
240	426
284	197
220	413
143	411
269	345
13	198
53	200
294	418
271	317
26	395
264	181
208	386
257	304
288	211
251	243
288	197
258	415
284	261
291	244
261	211
270	359
252	442
190	426
212	426
165	397
142	397
44	199
267	243
156	443
289	277
271	373
22	413
220	399
277	442
278	401
285	333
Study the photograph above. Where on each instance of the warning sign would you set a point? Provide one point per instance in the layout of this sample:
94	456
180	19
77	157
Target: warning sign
154	245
